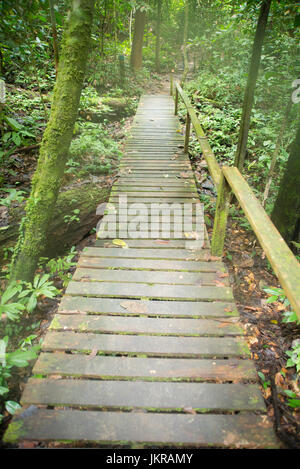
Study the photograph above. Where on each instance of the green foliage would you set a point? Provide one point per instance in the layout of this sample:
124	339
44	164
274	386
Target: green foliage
19	358
91	155
17	300
265	383
277	294
72	218
292	401
294	355
59	267
41	286
14	195
11	309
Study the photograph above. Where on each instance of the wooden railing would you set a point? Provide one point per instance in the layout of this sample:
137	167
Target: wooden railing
229	180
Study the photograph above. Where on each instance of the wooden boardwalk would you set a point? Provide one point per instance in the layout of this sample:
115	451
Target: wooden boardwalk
146	348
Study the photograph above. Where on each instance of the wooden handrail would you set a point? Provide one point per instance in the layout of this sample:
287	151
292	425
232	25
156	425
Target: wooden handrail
281	258
228	180
210	158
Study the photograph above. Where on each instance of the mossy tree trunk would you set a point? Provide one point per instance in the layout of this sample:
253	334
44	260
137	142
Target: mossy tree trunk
286	211
136	57
251	82
56	141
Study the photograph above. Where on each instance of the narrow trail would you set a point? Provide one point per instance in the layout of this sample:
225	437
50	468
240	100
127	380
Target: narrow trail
146	347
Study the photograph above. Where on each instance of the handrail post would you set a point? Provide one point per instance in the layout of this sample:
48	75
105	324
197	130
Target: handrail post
171	84
220	221
187	132
176	102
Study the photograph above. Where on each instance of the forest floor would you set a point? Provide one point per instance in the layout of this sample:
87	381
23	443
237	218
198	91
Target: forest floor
267	336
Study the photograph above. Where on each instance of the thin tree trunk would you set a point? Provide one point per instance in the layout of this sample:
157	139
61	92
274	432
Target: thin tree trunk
252	77
54	34
185	29
130	28
56	141
276	151
115	32
136	57
157	44
286	211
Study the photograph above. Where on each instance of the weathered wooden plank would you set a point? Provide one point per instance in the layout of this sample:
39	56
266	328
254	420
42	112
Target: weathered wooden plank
162	189
137	232
163	181
136	325
159	195
145	243
153	345
171	278
163	199
180	254
149	264
217	309
235	431
162	291
151	395
161	369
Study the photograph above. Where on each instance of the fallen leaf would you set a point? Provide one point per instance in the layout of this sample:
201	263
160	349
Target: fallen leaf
134	306
162	241
93	352
26	444
120	242
189	410
219	284
222	274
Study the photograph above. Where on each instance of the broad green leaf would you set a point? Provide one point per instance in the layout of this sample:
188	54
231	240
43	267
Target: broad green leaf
12	123
12	406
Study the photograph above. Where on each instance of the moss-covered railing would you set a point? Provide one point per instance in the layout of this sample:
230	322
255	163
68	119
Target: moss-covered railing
229	180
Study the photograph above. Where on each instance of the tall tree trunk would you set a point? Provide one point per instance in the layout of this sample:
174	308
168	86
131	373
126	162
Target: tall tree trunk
136	57
54	34
185	29
157	44
276	151
286	211
251	82
56	141
130	28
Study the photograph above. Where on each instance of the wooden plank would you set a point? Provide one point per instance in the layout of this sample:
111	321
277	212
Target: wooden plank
153	345
154	369
131	253
151	395
149	264
136	325
142	233
283	261
163	181
159	195
145	243
171	278
78	304
235	431
162	291
163	199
